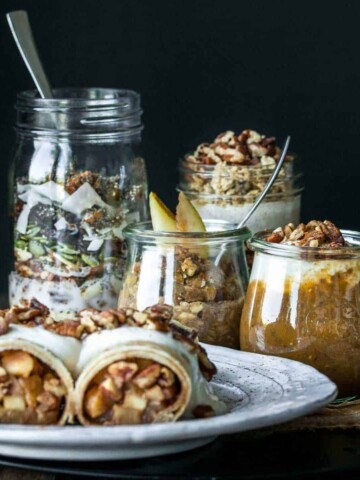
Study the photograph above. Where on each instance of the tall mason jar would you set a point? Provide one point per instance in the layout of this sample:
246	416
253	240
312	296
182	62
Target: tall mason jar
78	179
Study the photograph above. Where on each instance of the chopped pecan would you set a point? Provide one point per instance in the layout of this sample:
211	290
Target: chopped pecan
123	370
68	328
148	377
47	401
315	234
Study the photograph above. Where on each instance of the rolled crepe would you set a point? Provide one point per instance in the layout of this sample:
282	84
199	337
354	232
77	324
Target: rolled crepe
36	386
132	375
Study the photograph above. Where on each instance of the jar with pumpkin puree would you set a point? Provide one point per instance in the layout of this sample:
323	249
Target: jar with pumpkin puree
303	300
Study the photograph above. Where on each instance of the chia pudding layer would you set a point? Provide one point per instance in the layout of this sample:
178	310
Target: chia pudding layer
68	245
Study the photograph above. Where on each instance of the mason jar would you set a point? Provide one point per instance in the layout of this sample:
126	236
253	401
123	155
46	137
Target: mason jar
78	179
228	191
202	275
303	303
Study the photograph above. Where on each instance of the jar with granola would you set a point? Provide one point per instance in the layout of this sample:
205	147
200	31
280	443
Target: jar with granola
78	179
303	300
202	275
223	179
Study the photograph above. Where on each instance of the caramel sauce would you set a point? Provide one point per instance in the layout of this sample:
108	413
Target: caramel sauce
316	322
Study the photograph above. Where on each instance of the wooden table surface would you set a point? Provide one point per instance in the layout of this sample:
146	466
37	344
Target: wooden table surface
7	473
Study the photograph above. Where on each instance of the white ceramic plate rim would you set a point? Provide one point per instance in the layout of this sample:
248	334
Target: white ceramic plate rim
290	406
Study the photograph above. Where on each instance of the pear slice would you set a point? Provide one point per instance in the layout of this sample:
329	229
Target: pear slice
163	220
187	217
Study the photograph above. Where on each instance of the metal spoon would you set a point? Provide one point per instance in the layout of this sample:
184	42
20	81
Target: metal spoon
21	30
260	198
269	184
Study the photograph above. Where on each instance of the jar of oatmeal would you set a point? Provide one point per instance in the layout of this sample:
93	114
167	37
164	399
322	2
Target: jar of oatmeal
224	178
303	303
202	275
78	179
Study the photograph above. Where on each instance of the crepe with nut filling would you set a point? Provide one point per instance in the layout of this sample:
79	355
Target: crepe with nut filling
130	367
132	375
35	385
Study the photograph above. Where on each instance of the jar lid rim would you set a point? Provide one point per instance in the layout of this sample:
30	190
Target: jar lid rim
246	200
78	97
143	230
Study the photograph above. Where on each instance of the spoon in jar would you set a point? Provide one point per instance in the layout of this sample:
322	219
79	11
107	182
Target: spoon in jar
268	185
262	195
22	33
21	30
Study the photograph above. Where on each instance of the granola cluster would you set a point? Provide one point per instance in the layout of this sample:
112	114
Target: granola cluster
314	234
235	165
87	321
206	297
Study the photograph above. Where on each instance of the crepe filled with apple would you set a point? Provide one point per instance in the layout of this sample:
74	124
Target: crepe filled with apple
36	386
147	370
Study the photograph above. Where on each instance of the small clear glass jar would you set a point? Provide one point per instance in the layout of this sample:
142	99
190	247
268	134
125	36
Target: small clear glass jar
78	178
224	191
202	275
303	303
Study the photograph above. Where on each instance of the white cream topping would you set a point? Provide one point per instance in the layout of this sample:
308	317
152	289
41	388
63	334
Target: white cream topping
67	349
268	215
275	270
65	296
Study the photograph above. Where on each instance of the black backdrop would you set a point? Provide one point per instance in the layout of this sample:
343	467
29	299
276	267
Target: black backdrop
281	67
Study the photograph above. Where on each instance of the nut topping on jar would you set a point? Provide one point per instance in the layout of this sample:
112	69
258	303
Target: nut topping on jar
314	234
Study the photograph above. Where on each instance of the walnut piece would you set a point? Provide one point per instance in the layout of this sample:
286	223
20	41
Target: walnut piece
314	234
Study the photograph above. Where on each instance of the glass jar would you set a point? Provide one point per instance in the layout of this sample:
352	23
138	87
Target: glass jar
303	303
202	275
78	179
227	192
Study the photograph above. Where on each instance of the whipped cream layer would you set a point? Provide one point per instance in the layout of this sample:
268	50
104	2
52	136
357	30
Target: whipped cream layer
274	270
65	296
267	216
67	349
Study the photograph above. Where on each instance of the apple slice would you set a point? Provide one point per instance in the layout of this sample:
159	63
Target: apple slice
187	217
163	220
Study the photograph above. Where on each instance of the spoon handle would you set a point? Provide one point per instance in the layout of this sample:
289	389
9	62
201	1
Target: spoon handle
268	185
21	30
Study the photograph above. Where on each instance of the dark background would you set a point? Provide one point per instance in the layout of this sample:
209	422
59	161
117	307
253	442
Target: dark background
280	67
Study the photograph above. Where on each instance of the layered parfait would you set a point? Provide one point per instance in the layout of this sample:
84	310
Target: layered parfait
303	300
223	179
68	243
201	274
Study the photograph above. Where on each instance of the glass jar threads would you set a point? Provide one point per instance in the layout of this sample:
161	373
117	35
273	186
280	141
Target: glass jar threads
78	179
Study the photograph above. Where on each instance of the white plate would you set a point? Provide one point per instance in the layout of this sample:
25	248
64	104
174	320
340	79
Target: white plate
259	390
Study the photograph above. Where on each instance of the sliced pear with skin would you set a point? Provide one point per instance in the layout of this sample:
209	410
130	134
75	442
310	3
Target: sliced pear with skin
163	219
189	220
187	217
